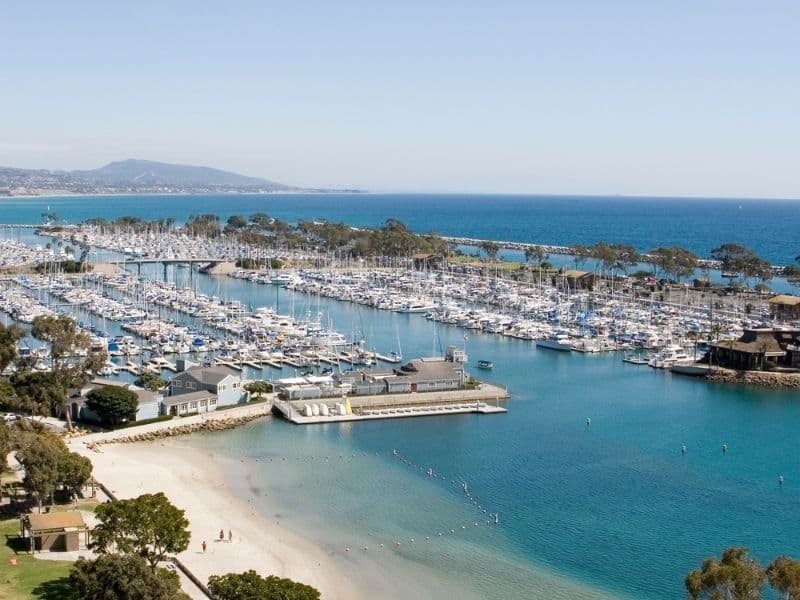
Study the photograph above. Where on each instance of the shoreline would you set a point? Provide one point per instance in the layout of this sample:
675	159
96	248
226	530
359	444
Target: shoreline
198	485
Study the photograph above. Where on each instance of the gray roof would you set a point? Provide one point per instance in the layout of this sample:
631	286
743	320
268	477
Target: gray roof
429	370
190	397
206	375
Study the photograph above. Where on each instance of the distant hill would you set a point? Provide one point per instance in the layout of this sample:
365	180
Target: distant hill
137	176
148	172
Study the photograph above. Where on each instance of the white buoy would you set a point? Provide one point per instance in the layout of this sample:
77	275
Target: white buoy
588	422
683	449
780	480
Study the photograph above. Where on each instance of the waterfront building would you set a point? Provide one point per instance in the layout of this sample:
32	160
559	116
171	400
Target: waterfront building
784	307
75	405
758	349
216	386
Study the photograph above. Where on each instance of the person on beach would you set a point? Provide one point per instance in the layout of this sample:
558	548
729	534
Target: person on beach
221	535
230	535
204	545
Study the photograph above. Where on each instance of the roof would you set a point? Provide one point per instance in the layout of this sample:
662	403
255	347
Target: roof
58	520
427	370
573	274
207	375
758	341
785	299
190	397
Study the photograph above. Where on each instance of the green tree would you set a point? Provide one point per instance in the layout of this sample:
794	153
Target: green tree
74	471
41	460
9	336
37	392
735	577
491	249
114	404
674	263
783	575
258	388
150	381
120	577
148	526
66	343
251	586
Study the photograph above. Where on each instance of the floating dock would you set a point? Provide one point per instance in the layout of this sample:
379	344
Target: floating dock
484	399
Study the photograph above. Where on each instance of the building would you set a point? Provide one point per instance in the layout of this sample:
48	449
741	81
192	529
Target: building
203	389
758	349
61	531
579	280
784	307
75	406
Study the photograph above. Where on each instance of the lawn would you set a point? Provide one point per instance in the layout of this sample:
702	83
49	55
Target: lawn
30	578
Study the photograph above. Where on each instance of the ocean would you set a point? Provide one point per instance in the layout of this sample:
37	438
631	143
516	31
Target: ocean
610	510
767	226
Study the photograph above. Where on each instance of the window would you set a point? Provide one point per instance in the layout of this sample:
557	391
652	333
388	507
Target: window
203	403
212	402
192	405
176	383
221	387
190	385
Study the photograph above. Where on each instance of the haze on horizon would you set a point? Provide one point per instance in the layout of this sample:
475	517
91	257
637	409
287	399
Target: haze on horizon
575	97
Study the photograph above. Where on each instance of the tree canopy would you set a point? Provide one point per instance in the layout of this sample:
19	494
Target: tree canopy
123	577
735	577
9	336
251	586
114	404
150	381
148	526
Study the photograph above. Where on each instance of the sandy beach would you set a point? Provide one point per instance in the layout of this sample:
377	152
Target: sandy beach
194	483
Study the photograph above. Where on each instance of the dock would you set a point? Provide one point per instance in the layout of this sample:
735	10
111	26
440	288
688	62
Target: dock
484	399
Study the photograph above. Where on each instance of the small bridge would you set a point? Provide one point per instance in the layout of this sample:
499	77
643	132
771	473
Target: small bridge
207	261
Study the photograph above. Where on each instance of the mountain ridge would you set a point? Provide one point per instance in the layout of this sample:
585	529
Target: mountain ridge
138	175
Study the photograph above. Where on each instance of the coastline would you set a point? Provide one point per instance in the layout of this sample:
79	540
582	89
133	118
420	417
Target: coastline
196	484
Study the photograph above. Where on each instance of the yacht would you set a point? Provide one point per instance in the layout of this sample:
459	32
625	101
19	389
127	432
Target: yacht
555	341
668	356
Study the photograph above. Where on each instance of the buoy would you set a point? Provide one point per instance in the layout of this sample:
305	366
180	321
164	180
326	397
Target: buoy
588	422
780	480
724	448
683	449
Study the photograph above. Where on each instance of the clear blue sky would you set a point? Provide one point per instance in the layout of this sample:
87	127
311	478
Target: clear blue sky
595	97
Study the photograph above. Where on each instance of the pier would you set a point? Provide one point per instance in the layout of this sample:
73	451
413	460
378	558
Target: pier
398	406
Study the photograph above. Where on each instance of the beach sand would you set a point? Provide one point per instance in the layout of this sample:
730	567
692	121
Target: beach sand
194	483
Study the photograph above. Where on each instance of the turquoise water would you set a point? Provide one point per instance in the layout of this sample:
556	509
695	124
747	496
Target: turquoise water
614	508
611	510
767	226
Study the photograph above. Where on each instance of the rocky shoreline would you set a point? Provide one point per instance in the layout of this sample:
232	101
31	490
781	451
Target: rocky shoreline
763	379
196	427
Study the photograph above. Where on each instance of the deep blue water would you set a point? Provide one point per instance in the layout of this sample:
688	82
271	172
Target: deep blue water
768	226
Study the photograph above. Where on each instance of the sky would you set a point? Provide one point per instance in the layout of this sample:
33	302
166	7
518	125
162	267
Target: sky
564	97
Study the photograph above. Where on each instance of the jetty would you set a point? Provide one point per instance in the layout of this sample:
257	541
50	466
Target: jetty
483	399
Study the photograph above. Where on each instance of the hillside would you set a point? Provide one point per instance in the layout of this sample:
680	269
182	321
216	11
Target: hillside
136	176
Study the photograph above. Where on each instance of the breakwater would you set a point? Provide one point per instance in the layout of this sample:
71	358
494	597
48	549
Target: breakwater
764	379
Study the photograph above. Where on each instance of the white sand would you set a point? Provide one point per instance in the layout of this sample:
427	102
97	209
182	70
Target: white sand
193	482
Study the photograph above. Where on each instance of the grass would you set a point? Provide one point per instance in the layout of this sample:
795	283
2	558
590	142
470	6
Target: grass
30	578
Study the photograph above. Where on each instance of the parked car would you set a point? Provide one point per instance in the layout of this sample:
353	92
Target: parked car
8	417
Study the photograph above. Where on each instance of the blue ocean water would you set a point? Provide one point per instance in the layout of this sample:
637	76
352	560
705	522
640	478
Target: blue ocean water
614	510
767	226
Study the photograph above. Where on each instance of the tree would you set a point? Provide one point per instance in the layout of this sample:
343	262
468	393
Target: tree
41	460
783	575
9	336
120	577
535	254
74	471
66	342
251	586
742	261
114	404
491	249
148	526
258	388
37	392
735	577
674	263
150	381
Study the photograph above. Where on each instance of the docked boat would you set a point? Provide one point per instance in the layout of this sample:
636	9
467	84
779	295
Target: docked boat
485	364
556	341
668	356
